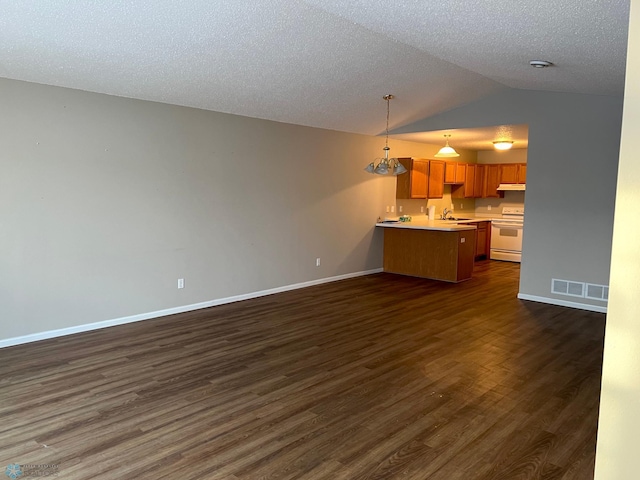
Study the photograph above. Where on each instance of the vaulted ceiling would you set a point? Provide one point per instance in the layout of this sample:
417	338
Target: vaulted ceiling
321	63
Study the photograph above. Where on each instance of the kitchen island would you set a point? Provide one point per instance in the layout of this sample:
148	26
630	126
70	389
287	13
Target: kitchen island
436	249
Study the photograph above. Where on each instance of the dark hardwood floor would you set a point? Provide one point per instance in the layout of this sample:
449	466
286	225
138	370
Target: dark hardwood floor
378	377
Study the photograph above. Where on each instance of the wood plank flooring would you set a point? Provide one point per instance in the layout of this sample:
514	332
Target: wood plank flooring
378	377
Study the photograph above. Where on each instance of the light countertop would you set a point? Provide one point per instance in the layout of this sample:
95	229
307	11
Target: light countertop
426	224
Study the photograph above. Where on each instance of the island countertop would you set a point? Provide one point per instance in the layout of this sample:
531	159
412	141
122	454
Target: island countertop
438	225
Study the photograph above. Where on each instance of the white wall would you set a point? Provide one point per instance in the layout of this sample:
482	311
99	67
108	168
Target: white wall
617	449
571	173
105	202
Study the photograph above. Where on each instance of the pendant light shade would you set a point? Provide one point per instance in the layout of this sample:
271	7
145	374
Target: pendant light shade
386	165
446	151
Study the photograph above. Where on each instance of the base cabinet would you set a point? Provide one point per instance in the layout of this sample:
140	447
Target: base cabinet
483	240
434	254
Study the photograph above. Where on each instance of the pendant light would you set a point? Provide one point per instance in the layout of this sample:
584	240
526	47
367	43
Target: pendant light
386	165
447	151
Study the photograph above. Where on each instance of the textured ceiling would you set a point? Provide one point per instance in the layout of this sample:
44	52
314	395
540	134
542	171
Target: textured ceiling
322	63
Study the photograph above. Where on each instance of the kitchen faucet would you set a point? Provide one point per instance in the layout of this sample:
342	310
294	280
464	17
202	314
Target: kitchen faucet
444	213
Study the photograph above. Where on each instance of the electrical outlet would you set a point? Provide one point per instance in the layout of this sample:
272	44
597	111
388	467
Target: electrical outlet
421	209
181	283
461	206
489	207
400	209
387	208
393	208
318	262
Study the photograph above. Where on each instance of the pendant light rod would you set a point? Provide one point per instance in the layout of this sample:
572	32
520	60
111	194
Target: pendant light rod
386	165
387	97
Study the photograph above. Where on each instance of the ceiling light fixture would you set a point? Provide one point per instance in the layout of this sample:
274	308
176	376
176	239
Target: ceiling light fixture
503	145
386	165
446	151
540	63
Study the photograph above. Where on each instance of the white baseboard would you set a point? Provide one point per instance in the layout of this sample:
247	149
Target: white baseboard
34	337
563	303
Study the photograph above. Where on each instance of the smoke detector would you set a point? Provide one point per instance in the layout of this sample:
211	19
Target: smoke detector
540	63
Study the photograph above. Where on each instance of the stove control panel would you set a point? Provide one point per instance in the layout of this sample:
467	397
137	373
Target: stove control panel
513	211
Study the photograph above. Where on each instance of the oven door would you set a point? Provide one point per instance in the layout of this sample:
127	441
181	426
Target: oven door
506	240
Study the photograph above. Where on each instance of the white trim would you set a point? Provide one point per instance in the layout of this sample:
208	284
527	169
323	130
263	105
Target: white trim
563	303
34	337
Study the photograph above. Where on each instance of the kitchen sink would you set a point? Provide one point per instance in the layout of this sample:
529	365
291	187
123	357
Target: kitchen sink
457	219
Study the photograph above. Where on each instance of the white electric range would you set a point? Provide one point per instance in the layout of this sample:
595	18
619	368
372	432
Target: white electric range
506	235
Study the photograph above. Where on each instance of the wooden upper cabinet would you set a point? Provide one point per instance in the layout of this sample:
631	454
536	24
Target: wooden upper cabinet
413	184
522	173
513	173
492	180
509	173
467	188
461	172
470	181
478	186
454	172
437	171
450	172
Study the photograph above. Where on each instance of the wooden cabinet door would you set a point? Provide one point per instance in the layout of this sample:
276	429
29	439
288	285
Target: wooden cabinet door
478	187
461	172
509	173
454	172
419	175
469	182
403	181
436	178
522	173
412	184
483	234
450	172
492	180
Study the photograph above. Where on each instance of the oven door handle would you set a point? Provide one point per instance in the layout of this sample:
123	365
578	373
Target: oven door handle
507	225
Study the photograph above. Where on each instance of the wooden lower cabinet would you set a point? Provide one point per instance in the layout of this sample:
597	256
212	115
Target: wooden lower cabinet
483	240
434	254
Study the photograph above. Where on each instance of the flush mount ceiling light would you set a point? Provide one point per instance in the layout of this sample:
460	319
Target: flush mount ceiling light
503	145
386	165
540	63
446	151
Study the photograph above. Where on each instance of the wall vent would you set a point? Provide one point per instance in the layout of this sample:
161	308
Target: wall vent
567	287
597	292
580	289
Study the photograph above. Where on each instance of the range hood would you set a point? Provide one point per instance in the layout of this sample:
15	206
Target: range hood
520	187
